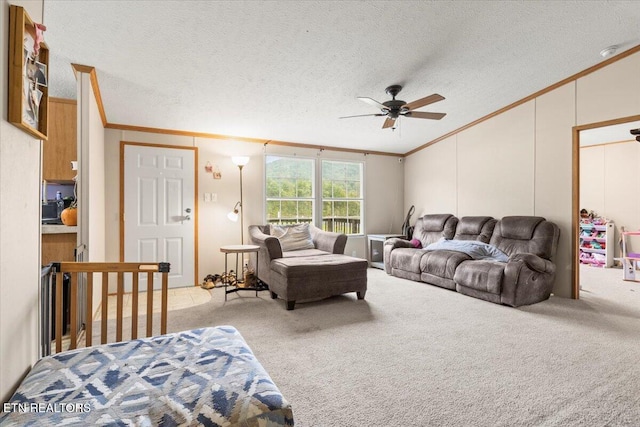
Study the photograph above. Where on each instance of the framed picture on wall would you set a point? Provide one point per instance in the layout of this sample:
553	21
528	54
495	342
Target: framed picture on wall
28	66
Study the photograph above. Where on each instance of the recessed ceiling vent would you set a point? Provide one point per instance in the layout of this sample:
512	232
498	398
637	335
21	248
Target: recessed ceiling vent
608	51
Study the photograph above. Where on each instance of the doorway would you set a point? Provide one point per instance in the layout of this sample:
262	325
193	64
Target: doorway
603	148
158	187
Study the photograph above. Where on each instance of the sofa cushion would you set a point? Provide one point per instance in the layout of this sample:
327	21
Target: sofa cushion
526	234
483	276
430	228
432	279
519	227
442	263
473	248
304	252
407	259
293	237
475	228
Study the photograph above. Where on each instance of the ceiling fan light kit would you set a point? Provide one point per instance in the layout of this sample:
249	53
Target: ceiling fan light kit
396	108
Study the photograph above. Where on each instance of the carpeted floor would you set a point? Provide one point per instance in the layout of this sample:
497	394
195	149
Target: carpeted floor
412	354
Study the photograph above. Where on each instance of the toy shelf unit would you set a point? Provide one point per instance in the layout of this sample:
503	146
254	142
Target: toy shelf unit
630	260
596	244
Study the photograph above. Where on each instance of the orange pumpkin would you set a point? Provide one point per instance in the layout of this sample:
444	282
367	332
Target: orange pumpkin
69	216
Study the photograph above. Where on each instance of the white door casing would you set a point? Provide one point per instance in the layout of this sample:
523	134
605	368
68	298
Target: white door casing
159	220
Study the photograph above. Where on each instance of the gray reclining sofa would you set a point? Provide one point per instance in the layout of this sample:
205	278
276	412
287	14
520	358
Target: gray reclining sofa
529	242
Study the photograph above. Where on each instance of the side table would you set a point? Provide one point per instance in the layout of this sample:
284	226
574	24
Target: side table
240	250
376	248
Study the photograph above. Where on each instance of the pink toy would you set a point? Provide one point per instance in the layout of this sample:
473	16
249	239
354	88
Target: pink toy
39	38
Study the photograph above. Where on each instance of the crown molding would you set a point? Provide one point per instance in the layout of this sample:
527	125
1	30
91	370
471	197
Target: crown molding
530	97
78	68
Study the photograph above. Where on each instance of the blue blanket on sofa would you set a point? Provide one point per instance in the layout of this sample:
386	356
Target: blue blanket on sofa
473	248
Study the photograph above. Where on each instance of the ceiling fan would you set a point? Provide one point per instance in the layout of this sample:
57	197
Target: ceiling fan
395	108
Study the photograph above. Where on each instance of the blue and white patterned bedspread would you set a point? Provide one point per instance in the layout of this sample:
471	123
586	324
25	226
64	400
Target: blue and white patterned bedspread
205	376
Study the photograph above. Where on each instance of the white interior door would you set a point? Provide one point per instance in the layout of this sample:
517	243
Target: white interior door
159	206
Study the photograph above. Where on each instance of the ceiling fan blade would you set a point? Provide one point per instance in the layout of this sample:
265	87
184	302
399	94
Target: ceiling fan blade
424	101
388	123
373	102
362	115
424	115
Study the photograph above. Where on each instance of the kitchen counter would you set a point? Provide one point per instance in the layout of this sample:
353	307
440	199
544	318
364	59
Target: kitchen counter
58	229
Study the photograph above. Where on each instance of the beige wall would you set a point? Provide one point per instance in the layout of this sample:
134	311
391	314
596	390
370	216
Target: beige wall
592	179
495	167
91	195
609	182
383	176
554	119
520	161
92	139
609	93
20	156
430	179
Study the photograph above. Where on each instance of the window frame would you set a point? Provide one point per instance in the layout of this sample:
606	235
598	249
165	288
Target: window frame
313	199
321	198
317	198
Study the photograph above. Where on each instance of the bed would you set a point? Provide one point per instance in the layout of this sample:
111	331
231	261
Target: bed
206	376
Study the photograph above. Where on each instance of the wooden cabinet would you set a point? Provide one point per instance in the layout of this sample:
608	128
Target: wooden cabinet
58	247
61	147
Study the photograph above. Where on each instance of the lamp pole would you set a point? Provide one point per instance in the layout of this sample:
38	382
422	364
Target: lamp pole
240	161
241	209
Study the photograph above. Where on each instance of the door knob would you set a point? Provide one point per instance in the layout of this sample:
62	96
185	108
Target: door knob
187	217
188	210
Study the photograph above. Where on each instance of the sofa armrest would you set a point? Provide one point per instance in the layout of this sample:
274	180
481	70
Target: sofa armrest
270	244
397	242
327	241
534	262
389	246
528	279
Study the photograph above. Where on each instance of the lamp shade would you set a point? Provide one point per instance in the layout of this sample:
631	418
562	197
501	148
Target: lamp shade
240	160
233	216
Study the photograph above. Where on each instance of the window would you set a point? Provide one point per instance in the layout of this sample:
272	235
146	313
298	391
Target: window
290	194
342	196
291	197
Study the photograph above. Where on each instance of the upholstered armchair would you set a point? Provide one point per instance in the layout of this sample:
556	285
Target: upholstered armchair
270	248
311	268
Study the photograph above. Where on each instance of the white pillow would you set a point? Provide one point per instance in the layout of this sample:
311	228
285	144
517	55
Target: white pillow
293	237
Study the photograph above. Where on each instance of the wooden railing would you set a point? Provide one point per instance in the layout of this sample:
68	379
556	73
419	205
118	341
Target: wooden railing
86	271
335	224
342	225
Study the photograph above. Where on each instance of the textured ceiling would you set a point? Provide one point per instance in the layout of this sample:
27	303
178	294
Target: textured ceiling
286	70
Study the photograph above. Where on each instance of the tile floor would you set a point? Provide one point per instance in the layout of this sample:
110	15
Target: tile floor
178	298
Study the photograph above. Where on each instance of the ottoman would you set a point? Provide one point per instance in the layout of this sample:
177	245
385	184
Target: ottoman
320	276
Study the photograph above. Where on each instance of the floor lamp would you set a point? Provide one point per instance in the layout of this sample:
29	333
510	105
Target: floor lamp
239	161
